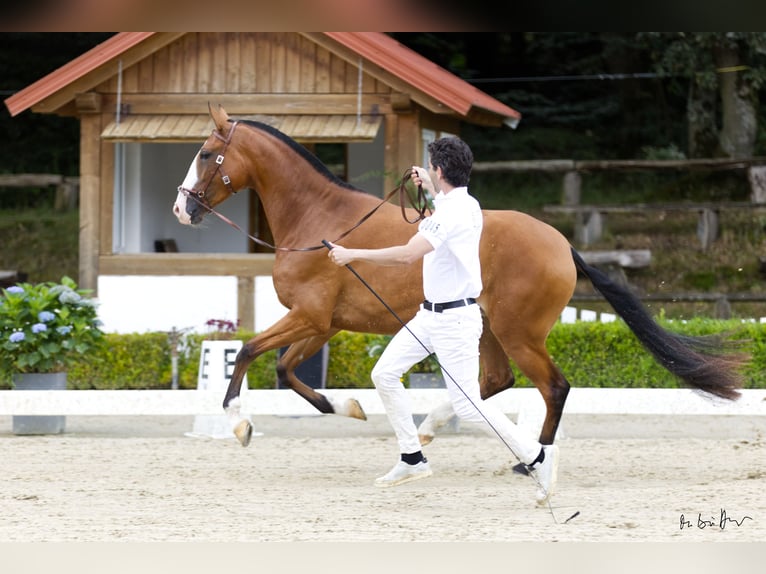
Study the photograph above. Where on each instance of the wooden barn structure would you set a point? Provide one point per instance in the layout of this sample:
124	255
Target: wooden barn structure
142	102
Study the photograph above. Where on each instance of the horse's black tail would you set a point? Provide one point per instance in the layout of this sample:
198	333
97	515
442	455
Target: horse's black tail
691	359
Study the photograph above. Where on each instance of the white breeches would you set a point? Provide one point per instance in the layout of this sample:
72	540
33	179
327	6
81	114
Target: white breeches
454	336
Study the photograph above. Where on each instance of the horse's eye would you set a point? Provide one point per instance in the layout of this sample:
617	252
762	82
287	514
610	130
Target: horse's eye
204	155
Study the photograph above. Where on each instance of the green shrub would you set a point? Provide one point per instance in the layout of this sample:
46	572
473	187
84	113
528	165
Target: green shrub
128	361
352	357
609	355
589	355
594	354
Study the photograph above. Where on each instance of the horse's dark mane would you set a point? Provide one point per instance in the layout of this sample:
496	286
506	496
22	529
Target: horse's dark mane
300	150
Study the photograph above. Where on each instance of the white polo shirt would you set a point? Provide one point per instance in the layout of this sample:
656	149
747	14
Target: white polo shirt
452	270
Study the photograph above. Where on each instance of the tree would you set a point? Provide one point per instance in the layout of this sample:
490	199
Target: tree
35	142
723	72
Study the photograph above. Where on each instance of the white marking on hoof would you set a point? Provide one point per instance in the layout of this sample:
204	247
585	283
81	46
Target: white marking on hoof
349	408
232	411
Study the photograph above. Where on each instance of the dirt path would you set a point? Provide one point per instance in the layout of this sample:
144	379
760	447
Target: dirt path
310	479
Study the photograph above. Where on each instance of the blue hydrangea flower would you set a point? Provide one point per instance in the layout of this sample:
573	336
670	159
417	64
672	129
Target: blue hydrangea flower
16	337
15	289
63	330
39	327
46	316
69	296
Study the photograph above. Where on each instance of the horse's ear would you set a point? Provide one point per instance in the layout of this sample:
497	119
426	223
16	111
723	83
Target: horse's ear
220	117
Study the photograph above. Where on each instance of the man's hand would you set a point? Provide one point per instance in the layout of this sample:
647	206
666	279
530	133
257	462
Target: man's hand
340	255
420	177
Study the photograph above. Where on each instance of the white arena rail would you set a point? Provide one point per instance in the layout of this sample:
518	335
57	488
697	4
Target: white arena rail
524	402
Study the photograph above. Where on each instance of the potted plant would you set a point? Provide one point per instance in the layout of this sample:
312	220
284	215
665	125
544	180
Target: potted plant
44	327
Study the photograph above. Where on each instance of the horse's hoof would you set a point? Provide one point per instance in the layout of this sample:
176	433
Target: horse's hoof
244	432
521	468
355	410
425	439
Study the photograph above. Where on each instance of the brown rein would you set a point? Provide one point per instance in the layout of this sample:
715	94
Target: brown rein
198	196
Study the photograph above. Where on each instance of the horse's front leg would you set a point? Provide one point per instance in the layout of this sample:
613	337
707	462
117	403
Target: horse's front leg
292	327
296	354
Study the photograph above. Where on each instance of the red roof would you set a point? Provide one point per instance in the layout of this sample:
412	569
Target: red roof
382	50
422	73
77	68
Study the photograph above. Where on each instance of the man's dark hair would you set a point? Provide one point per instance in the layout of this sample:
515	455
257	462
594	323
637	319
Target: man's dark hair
454	157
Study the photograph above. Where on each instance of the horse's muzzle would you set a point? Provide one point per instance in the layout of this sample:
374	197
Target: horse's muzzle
189	208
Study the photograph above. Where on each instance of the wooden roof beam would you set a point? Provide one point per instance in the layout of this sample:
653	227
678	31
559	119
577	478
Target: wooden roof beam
240	104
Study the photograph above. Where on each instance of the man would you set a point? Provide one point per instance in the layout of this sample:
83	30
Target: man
449	322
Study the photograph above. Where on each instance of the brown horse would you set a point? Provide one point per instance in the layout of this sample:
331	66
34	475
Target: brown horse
529	272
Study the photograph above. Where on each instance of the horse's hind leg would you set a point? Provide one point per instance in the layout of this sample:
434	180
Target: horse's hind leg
535	362
496	376
496	373
294	356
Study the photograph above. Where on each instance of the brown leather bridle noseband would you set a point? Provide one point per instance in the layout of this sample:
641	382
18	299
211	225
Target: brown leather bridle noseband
199	195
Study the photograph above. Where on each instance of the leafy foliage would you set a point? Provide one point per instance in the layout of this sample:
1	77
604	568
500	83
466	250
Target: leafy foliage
39	143
352	357
46	326
40	242
128	361
589	354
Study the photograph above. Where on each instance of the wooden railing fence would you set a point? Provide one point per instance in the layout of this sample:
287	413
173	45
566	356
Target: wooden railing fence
67	188
590	220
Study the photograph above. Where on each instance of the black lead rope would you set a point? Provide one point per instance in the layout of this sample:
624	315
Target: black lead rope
404	325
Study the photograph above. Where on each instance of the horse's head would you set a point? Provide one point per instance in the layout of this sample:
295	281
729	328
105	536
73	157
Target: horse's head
214	174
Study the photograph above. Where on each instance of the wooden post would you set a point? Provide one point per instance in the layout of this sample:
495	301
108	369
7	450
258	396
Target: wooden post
756	174
402	141
391	137
707	227
589	227
572	188
66	196
90	199
246	302
722	308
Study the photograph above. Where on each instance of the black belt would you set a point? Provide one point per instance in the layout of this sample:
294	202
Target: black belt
439	307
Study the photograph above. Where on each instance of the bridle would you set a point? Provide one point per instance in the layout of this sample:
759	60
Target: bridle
199	197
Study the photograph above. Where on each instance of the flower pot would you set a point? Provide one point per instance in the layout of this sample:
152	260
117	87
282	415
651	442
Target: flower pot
32	425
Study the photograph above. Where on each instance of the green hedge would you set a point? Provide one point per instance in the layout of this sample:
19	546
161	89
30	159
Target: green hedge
589	354
609	355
